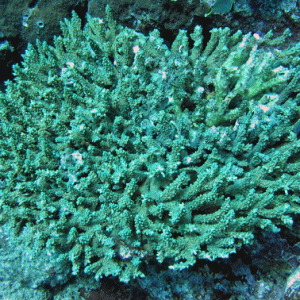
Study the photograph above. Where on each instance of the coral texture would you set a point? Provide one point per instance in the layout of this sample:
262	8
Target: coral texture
116	149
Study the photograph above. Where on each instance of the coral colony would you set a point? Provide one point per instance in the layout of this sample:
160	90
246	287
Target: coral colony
117	150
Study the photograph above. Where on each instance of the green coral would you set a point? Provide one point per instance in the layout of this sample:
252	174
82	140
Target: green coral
116	149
